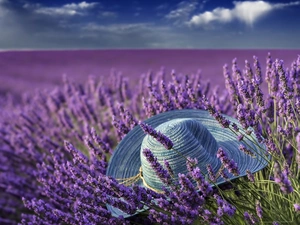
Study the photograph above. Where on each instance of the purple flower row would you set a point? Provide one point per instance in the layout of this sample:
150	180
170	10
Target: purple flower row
47	180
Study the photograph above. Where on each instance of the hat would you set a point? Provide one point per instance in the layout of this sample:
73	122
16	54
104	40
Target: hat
195	134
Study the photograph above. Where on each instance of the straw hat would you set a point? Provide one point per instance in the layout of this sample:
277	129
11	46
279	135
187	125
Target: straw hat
195	134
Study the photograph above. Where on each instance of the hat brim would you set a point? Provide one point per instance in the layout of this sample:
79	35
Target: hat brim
125	161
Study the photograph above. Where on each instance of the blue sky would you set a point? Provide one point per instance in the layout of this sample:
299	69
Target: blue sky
106	24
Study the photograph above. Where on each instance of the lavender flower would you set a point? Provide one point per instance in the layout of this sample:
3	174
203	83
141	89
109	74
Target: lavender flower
230	165
285	83
235	127
202	184
259	211
161	138
159	170
220	118
168	167
268	68
212	175
282	179
298	150
122	129
249	218
240	137
241	114
246	151
256	82
191	163
127	117
102	144
188	195
159	217
224	207
231	87
223	173
250	176
297	207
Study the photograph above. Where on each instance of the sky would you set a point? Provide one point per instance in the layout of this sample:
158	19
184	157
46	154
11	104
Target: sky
153	24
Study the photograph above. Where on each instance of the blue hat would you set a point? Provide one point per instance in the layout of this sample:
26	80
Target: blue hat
195	134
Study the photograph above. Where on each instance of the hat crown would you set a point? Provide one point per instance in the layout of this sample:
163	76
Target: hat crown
190	138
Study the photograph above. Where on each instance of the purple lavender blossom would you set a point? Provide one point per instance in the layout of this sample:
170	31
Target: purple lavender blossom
211	173
269	63
250	176
127	117
122	129
240	137
230	165
159	217
188	194
269	108
224	207
231	87
271	147
297	207
191	163
102	144
259	210
220	118
241	115
235	127
223	173
246	151
202	184
298	150
168	167
256	82
285	83
161	138
249	218
282	179
159	170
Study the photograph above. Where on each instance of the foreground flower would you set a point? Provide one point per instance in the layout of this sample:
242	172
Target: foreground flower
44	180
161	138
229	164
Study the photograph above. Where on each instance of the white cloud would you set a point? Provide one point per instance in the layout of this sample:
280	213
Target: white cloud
57	11
65	10
283	5
117	28
183	11
218	14
247	11
81	5
141	35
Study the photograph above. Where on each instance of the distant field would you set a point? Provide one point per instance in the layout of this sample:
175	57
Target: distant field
30	70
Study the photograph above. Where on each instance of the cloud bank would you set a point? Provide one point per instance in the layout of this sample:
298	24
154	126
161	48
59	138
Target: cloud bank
71	9
247	12
183	10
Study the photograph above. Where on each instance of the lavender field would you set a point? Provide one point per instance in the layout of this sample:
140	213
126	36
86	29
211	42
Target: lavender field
26	71
91	137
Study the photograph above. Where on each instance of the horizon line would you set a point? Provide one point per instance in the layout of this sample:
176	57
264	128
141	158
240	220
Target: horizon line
132	49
